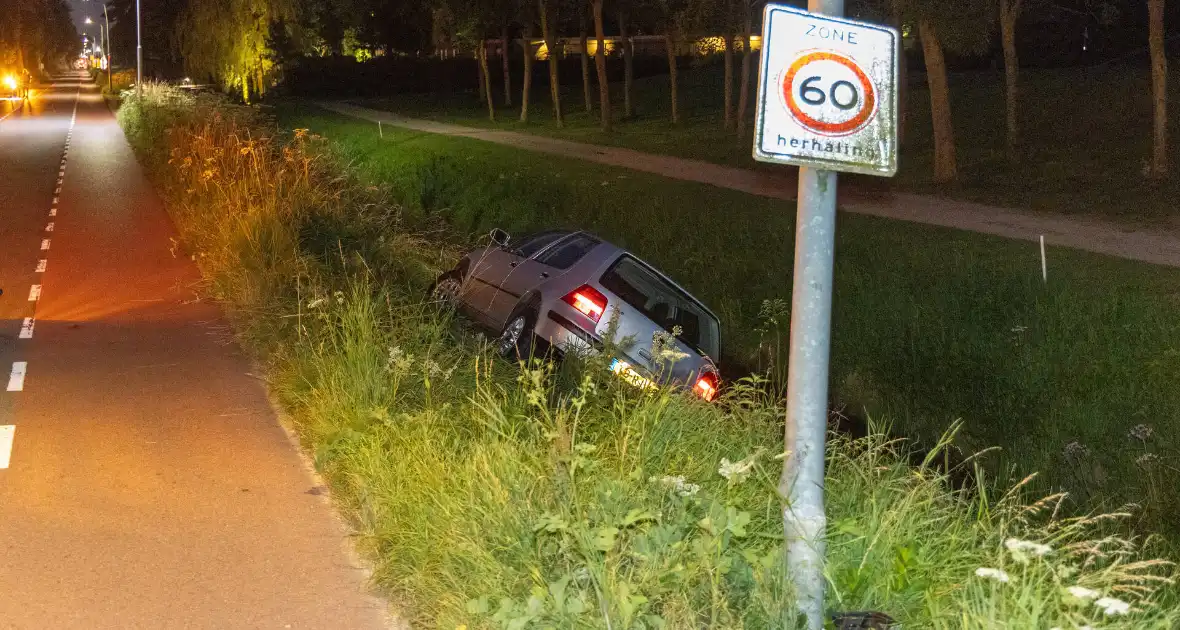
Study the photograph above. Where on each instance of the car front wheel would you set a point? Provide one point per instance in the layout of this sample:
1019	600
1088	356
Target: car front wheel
447	288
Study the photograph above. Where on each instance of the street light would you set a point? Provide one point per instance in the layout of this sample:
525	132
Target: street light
138	53
110	62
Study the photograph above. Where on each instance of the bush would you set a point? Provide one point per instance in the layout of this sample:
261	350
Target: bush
555	495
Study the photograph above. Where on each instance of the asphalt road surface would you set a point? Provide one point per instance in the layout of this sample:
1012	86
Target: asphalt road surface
145	481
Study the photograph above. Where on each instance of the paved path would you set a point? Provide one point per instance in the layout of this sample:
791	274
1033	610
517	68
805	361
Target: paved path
1096	235
144	479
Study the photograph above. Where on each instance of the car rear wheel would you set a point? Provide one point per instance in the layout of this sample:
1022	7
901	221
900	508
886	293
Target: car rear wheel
516	340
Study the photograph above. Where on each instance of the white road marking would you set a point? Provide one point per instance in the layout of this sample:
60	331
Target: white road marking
58	191
49	228
26	328
44	244
53	212
34	293
7	432
41	264
55	201
16	380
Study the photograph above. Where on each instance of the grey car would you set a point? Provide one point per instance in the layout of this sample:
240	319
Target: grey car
560	290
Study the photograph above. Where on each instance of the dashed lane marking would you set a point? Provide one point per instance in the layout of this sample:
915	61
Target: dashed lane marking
34	293
7	432
44	244
53	212
16	379
41	265
26	328
49	228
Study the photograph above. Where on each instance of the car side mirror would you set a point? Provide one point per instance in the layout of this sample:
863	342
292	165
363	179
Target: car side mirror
500	237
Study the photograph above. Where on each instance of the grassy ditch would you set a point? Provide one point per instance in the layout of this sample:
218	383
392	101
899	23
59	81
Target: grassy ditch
931	325
556	496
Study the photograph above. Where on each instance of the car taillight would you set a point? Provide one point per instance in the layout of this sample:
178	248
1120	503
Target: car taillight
588	300
706	386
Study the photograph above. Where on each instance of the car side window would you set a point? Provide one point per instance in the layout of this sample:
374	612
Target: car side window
565	254
533	243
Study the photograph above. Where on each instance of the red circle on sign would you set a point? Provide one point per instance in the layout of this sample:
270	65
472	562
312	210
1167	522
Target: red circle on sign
820	126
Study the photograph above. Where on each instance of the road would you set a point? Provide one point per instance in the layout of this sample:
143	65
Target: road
145	481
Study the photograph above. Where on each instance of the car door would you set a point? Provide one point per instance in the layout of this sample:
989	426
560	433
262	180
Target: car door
493	267
548	263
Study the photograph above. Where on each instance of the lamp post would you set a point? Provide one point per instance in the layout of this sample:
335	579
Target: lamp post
107	49
138	53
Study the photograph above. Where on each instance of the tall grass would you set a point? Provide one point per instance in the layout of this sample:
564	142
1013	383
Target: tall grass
554	496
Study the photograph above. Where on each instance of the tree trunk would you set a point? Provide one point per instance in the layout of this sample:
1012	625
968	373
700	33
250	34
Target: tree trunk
747	57
600	66
1009	11
583	38
528	74
628	65
548	26
487	81
670	44
728	80
481	72
945	169
1159	89
504	67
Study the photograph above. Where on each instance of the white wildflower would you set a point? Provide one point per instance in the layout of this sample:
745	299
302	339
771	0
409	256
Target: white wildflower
663	346
1111	606
736	472
992	574
1147	459
316	303
431	368
339	295
1022	549
1076	449
677	484
1082	592
1019	329
398	361
1141	432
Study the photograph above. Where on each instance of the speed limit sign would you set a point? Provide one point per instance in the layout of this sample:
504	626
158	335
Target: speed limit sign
827	94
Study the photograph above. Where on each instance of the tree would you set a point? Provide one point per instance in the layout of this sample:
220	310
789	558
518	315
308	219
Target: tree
711	16
963	26
1158	168
36	33
670	19
527	87
1009	14
747	61
548	15
583	46
600	65
229	40
624	17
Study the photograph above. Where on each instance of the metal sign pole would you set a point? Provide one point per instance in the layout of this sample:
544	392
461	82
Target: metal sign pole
802	482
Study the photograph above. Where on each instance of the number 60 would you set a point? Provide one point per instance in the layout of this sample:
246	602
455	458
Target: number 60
815	96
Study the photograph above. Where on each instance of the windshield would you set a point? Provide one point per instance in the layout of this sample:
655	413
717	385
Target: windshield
664	303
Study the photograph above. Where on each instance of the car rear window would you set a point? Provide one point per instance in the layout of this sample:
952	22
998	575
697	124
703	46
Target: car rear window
564	254
662	302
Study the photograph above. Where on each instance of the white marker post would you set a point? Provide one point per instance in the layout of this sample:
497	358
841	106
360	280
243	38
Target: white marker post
827	102
1044	263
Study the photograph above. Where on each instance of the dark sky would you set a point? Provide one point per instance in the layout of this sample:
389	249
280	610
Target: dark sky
82	10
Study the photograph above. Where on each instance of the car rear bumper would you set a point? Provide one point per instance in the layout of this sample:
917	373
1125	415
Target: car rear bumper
566	336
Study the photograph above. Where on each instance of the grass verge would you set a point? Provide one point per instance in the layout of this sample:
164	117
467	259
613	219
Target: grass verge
556	496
